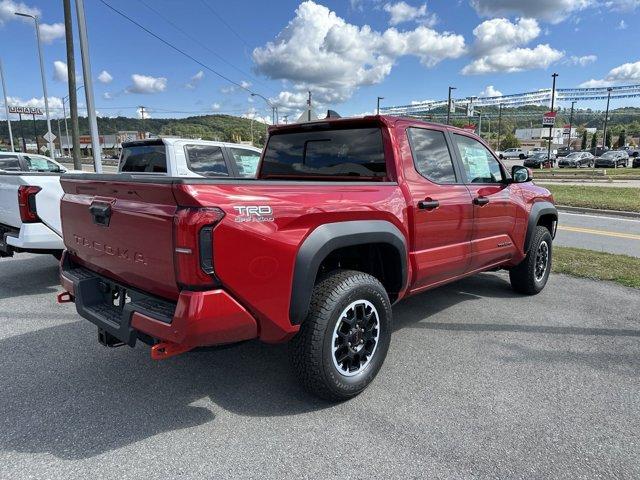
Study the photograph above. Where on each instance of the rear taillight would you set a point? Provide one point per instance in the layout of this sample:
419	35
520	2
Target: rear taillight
193	247
27	203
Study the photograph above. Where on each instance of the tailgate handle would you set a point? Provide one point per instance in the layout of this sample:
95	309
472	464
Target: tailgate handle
101	213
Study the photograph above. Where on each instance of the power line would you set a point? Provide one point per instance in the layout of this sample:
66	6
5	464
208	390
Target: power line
198	42
170	45
206	4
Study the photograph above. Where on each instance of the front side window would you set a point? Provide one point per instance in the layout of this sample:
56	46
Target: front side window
354	152
9	164
206	160
431	155
246	161
479	165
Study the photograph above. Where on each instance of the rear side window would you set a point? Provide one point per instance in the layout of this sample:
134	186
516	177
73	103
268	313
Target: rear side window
246	161
431	155
356	152
206	160
40	164
144	158
10	164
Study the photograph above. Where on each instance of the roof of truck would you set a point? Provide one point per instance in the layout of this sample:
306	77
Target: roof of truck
174	140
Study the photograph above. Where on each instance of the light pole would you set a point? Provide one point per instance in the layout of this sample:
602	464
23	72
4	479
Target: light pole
66	128
6	105
553	98
378	109
88	90
449	105
44	80
573	104
499	125
274	109
606	119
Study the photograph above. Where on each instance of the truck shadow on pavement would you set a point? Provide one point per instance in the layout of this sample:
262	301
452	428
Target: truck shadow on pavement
42	277
65	395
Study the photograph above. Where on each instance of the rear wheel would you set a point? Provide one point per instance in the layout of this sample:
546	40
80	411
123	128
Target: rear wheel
532	274
345	338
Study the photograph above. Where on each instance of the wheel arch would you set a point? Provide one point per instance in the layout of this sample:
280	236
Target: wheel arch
358	239
542	213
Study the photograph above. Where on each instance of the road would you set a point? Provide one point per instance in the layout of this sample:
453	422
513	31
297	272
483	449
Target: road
600	233
479	383
616	183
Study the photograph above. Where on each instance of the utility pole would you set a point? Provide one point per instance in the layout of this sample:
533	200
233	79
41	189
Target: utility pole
449	106
499	125
35	133
553	98
60	137
378	109
44	80
88	86
286	119
144	132
6	106
309	109
73	92
24	142
573	104
606	119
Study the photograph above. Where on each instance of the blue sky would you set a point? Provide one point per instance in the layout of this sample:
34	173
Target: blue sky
346	51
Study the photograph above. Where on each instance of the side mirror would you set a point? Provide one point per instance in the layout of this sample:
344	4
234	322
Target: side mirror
521	174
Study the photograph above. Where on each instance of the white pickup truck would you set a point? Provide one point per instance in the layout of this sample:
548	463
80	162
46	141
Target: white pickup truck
30	194
180	157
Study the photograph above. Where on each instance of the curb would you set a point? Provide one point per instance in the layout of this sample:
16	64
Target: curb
598	211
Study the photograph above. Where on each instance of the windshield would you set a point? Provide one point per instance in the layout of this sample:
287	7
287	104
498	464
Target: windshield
610	154
539	155
354	152
574	155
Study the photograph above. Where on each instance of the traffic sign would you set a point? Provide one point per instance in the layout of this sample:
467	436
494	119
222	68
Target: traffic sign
49	137
549	119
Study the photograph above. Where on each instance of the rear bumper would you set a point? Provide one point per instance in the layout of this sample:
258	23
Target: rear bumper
34	236
196	319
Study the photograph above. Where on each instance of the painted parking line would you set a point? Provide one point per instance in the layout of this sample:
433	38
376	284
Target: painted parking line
605	233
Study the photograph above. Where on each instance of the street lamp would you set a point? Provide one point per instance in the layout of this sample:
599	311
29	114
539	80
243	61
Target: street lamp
66	128
449	105
606	119
274	109
44	81
6	106
378	110
553	98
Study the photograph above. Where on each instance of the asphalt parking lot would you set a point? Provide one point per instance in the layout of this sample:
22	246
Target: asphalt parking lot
479	383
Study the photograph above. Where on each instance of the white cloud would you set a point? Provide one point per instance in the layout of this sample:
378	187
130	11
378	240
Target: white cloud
583	61
623	5
51	32
105	77
9	7
553	11
55	104
499	47
60	71
402	12
490	91
142	115
622	25
195	80
320	51
626	73
235	88
146	84
215	106
107	96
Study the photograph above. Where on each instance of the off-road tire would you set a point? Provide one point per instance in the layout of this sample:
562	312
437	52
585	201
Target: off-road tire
311	350
523	276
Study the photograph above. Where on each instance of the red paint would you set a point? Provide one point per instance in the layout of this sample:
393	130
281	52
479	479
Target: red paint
254	261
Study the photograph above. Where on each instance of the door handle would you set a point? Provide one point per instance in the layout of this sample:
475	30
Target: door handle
480	201
428	204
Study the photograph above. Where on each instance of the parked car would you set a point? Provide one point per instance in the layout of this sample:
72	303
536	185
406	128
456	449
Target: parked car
511	153
540	160
564	151
30	195
633	152
635	162
577	160
612	159
180	157
347	217
598	151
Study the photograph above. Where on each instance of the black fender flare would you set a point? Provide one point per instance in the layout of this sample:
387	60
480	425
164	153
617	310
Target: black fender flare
538	210
332	236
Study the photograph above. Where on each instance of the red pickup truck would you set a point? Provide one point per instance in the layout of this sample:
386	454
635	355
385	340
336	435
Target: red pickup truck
346	217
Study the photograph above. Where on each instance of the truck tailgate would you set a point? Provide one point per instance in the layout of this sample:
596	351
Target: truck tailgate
122	230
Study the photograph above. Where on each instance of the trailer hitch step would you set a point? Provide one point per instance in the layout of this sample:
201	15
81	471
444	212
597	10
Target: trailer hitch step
163	350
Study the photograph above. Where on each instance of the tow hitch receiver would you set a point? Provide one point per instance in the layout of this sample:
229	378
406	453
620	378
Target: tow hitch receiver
64	297
108	340
163	350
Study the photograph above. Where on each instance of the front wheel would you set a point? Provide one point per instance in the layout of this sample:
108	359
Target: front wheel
531	275
345	338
